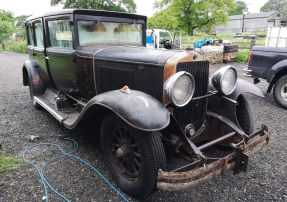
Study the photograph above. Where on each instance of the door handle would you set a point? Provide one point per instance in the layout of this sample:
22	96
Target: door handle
48	57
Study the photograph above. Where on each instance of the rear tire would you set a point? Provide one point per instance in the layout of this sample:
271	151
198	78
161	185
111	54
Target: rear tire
280	91
245	115
34	103
133	157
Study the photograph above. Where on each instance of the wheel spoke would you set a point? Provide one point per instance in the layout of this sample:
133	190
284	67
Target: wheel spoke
136	154
125	134
121	133
134	169
137	163
117	138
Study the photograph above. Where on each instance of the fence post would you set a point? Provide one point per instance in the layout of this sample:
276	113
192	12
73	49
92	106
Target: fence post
252	42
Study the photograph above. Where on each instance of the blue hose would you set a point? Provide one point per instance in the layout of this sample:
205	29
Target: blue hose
45	182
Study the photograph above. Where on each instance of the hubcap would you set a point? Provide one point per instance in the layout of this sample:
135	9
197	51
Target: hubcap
284	92
125	152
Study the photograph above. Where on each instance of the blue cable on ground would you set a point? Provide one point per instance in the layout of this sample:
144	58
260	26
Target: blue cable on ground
45	182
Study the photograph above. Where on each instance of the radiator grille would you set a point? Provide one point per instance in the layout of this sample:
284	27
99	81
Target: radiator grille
194	112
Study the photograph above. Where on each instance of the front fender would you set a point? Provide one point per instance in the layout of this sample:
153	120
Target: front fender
275	69
137	109
241	87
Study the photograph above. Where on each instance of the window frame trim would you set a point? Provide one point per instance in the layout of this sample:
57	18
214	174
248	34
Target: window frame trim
59	17
39	20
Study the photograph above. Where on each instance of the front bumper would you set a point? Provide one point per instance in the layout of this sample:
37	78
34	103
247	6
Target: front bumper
211	167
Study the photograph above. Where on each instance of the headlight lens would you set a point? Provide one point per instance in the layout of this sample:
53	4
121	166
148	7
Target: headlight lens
224	80
179	88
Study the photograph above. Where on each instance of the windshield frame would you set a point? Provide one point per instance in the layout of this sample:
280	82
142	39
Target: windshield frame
108	19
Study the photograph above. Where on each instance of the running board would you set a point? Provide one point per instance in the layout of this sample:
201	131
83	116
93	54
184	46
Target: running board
46	104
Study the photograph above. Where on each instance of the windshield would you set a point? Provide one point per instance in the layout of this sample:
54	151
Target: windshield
94	32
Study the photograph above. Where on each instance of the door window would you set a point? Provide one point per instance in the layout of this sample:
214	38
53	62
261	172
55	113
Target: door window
164	36
60	32
30	36
39	34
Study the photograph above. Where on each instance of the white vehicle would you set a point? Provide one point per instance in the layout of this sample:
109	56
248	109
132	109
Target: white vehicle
162	39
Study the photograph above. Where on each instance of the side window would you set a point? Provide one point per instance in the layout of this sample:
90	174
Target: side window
39	34
30	35
60	32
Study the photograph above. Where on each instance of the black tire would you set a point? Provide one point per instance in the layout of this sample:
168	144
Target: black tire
142	160
280	89
34	103
245	115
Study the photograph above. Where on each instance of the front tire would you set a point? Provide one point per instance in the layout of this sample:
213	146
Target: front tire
245	115
280	91
133	157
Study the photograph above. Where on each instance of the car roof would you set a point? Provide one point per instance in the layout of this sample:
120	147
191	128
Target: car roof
89	12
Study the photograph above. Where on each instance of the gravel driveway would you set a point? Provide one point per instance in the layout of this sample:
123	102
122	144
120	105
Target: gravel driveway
266	179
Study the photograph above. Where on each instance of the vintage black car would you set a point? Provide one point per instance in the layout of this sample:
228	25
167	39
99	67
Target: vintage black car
93	65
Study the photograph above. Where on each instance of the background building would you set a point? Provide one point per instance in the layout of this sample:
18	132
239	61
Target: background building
253	22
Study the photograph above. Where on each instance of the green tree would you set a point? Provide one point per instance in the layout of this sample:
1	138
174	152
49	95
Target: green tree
275	5
111	5
240	6
188	15
6	26
20	21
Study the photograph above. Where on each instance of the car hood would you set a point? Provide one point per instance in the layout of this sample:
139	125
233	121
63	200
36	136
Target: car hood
141	55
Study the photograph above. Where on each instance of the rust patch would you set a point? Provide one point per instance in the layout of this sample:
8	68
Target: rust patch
171	63
36	79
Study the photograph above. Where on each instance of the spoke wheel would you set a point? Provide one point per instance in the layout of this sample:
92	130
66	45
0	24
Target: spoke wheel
280	91
126	153
133	157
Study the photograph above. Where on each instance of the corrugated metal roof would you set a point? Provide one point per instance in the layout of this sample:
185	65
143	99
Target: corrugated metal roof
252	15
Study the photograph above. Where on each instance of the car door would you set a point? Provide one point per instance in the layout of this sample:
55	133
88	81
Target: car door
60	54
36	49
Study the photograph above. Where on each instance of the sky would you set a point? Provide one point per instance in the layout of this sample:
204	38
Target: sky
144	7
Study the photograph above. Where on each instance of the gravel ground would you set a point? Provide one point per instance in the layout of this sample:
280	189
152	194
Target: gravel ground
266	179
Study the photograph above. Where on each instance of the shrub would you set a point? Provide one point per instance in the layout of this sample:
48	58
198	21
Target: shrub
242	57
16	46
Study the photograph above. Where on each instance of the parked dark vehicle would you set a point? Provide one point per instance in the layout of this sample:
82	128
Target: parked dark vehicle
93	65
270	64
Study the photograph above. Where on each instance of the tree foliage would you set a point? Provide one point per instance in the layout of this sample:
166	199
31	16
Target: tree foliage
275	5
188	15
6	25
20	21
111	5
240	6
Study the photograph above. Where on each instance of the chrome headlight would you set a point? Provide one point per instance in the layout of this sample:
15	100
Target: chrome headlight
224	80
179	88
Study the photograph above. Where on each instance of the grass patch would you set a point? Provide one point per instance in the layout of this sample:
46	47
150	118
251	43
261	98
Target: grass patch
242	57
8	162
15	46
